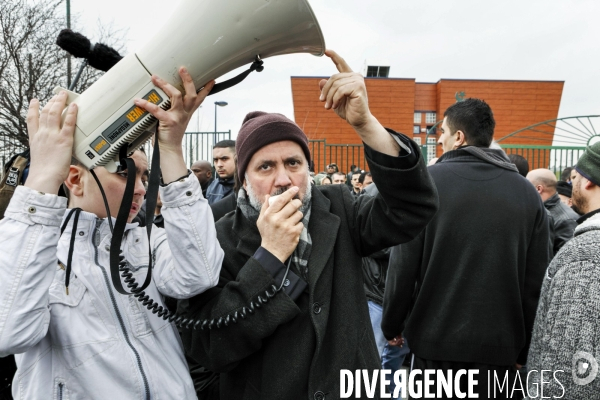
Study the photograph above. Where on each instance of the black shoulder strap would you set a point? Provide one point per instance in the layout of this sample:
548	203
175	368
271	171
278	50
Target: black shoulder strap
116	257
257	66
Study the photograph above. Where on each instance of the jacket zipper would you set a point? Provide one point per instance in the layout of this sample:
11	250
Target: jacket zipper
116	308
60	391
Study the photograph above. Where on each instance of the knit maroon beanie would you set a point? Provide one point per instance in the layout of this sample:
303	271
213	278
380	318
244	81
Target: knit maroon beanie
260	129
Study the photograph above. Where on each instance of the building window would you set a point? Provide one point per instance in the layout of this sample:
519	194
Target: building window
417	118
430	148
377	72
416	129
430	118
431	130
417	140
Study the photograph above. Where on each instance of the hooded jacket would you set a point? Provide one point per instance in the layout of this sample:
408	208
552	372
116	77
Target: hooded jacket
477	267
92	342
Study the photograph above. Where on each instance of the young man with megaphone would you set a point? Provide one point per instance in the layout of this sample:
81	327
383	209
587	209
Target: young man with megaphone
73	335
289	312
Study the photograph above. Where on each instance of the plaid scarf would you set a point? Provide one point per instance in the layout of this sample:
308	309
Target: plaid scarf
302	252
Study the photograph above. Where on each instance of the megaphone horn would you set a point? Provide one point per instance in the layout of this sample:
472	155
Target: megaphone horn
207	37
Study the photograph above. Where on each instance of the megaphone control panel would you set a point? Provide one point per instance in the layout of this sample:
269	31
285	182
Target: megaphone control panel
108	120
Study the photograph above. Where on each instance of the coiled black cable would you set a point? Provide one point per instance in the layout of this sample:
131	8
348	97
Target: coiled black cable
128	278
181	321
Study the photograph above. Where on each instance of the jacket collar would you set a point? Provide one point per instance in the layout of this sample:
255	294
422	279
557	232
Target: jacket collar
587	216
471	153
553	201
88	221
591	223
323	228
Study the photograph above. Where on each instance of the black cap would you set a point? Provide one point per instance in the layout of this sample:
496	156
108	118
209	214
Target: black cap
564	188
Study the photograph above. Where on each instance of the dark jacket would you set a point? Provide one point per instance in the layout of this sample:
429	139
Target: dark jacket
294	349
205	186
374	274
375	266
565	221
226	205
478	266
218	189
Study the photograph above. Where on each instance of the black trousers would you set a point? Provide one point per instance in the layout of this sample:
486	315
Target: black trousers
493	381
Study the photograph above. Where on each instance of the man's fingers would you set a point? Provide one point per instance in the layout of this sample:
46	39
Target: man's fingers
55	112
170	90
283	199
203	93
152	108
33	118
341	93
335	80
68	128
45	111
290	209
339	62
265	204
297	217
299	227
337	90
188	83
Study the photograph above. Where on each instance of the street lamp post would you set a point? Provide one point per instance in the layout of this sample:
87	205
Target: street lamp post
220	104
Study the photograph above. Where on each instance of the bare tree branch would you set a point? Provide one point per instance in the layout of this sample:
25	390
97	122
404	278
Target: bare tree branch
32	65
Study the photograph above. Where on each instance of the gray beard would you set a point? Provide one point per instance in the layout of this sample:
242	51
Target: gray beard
257	204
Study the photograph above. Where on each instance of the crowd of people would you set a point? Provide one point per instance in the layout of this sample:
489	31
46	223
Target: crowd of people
286	276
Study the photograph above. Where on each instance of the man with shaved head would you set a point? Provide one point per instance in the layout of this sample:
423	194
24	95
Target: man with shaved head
564	218
203	171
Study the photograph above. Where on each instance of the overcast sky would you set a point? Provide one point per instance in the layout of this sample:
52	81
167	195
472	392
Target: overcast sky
427	40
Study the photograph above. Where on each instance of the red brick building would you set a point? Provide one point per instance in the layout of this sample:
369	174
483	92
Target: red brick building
412	107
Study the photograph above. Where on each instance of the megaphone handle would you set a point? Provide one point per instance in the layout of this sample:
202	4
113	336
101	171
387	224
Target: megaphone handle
257	65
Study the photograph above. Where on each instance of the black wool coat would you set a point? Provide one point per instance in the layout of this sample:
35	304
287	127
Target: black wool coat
295	349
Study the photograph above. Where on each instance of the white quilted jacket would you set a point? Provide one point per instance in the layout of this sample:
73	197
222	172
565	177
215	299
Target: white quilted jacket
94	343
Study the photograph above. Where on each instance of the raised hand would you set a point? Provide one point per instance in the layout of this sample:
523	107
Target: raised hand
173	122
346	93
50	145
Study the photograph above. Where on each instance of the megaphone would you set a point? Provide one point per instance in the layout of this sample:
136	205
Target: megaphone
209	38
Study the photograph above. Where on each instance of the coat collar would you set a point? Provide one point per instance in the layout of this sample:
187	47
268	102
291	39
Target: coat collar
552	201
88	222
471	153
323	228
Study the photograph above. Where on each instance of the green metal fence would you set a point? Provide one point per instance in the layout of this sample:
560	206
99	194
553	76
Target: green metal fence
555	158
344	155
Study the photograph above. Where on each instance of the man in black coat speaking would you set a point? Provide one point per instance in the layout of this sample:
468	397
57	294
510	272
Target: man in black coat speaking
478	267
294	346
